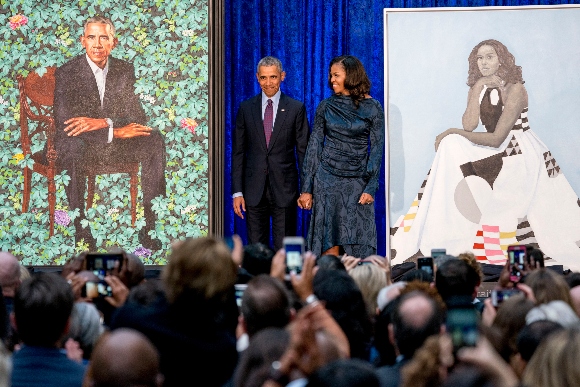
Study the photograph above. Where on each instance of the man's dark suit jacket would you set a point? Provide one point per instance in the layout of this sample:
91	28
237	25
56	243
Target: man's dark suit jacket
252	162
120	103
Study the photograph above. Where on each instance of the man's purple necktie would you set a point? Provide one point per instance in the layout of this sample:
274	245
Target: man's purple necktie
268	121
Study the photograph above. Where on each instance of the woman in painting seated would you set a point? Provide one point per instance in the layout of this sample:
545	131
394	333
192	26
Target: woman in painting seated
489	189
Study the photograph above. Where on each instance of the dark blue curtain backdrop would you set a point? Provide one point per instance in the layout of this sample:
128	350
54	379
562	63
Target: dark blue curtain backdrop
306	35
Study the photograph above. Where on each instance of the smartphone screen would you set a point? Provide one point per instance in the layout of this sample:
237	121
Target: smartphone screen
96	289
462	326
240	288
425	264
294	247
517	255
103	264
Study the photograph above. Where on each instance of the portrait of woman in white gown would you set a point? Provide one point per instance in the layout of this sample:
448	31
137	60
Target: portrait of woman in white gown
489	189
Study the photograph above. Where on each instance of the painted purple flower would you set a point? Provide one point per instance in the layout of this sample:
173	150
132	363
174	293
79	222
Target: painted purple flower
61	218
142	252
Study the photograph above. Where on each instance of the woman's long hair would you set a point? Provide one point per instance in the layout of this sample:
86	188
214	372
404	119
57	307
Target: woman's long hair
357	82
508	70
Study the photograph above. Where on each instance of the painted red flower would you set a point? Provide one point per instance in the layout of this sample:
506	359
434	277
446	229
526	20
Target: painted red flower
189	124
17	21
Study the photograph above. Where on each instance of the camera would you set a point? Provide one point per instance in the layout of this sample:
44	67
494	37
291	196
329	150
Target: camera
294	247
103	264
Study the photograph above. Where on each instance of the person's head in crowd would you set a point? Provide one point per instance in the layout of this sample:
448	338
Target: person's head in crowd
265	303
134	273
416	316
5	366
470	259
548	286
85	327
529	339
417	275
267	346
536	257
344	373
9	273
24	273
147	292
200	268
345	302
382	343
370	279
424	368
575	296
124	357
74	265
42	308
455	278
572	279
508	322
389	293
441	259
257	259
557	311
555	361
330	262
427	289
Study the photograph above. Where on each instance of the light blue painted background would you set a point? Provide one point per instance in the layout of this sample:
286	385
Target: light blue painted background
427	64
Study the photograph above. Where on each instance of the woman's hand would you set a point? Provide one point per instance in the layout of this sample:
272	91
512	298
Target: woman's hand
365	198
305	201
443	135
492	81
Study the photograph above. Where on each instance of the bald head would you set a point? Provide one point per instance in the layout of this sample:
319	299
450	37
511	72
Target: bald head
125	357
9	273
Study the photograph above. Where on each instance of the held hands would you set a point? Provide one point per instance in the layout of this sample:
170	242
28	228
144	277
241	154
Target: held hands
365	198
305	201
78	125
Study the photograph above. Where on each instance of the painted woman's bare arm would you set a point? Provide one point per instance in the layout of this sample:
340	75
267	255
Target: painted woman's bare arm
515	100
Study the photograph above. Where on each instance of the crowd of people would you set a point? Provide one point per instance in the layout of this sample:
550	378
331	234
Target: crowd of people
221	317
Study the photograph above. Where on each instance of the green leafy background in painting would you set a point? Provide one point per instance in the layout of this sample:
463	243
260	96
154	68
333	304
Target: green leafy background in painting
167	41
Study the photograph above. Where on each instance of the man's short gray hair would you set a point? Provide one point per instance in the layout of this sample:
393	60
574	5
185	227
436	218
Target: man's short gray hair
270	61
102	20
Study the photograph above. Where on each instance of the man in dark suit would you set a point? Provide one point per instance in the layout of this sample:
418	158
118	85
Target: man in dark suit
269	140
99	119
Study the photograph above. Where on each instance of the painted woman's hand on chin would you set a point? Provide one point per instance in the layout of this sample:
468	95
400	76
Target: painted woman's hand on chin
492	81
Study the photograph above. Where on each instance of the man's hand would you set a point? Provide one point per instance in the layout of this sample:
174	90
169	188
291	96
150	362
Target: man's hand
239	206
302	283
131	130
78	125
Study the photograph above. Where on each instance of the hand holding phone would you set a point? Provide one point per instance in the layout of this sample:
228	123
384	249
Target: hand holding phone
425	264
294	247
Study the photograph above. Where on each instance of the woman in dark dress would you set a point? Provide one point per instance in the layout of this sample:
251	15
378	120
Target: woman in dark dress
342	164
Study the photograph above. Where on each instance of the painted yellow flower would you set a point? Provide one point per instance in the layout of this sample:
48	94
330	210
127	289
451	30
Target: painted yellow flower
18	157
